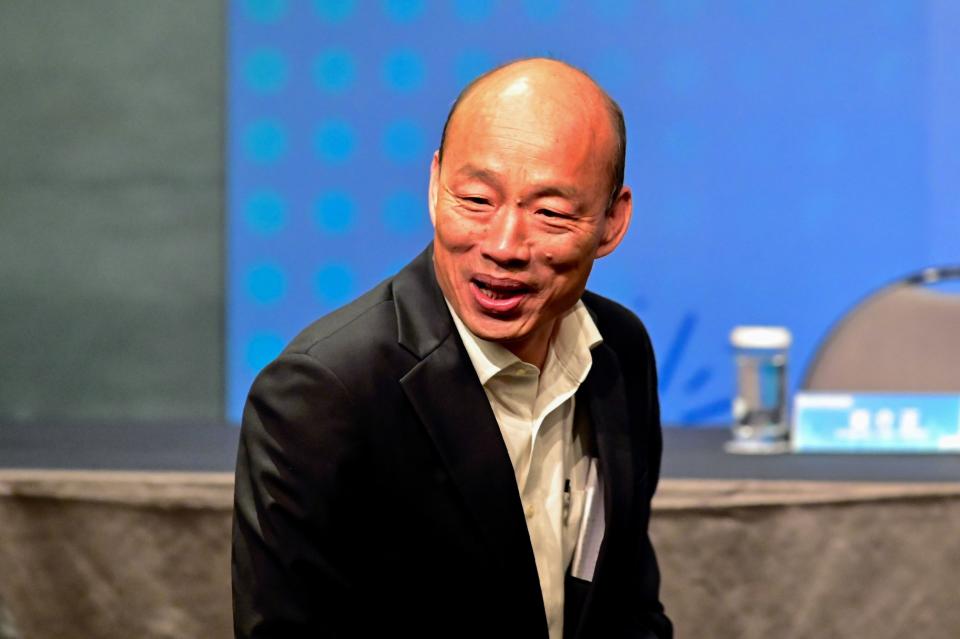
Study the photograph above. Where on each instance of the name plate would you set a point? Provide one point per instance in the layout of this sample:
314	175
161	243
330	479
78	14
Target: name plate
875	423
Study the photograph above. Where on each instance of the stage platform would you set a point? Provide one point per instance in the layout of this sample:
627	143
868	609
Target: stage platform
121	531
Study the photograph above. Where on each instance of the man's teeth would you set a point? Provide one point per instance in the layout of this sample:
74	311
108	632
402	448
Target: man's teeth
495	294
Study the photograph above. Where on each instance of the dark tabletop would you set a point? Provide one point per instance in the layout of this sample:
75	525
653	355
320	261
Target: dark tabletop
698	453
205	446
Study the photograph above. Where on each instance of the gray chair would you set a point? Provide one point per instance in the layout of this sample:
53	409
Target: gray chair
905	337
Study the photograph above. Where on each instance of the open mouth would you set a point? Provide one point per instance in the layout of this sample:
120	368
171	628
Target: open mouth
497	293
498	296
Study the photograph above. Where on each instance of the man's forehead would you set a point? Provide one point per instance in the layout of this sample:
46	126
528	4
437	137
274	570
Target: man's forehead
535	95
556	84
539	133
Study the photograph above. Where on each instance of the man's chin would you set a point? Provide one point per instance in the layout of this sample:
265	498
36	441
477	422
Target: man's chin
495	329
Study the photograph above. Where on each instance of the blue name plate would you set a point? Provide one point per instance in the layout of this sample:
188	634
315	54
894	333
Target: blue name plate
876	423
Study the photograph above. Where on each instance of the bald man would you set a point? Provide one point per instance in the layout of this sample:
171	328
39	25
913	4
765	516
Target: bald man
470	449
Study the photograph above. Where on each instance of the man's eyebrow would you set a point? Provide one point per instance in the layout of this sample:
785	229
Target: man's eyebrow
476	172
492	178
567	192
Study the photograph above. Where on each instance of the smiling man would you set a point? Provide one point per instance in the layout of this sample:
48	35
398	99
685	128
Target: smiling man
471	448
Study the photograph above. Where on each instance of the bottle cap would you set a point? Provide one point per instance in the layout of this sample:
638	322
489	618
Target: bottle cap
760	337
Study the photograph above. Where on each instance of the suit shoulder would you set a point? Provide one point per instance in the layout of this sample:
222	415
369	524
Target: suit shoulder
615	321
355	332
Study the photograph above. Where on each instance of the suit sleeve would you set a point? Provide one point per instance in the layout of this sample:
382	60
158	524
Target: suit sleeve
653	622
297	452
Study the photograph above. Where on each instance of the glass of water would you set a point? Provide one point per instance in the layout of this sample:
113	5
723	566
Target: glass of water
760	406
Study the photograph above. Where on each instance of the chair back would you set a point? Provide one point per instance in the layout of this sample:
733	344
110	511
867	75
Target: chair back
905	337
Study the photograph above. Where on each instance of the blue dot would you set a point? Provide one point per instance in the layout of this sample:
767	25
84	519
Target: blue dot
266	283
262	349
403	141
334	212
334	10
334	70
403	10
334	283
405	212
266	212
264	141
334	141
471	64
403	70
542	9
265	10
265	70
473	10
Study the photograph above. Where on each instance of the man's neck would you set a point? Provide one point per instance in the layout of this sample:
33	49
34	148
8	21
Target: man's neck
533	349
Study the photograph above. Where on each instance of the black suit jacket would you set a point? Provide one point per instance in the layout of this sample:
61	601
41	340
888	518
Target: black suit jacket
375	496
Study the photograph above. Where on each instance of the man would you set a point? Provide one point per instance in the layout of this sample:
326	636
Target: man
469	449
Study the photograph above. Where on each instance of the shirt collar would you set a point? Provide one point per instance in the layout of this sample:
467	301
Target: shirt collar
571	345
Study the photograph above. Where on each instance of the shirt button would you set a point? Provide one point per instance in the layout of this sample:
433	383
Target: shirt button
529	511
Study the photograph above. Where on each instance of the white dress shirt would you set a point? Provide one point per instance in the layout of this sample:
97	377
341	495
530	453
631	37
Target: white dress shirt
535	412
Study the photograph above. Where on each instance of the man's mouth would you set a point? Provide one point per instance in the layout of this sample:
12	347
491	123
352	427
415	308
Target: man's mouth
498	295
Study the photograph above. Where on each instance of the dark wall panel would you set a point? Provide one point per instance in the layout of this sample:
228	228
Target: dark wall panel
111	205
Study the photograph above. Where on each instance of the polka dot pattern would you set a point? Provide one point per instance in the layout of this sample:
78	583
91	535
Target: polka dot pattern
265	212
402	11
334	213
334	71
266	283
334	141
265	141
739	131
261	348
265	70
404	71
264	11
334	283
334	11
473	11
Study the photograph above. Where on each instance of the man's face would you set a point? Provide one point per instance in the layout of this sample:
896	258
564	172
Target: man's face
520	208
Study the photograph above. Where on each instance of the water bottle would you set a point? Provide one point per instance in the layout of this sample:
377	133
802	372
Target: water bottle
760	407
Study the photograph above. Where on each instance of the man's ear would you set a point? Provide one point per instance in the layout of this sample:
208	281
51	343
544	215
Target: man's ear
616	221
434	189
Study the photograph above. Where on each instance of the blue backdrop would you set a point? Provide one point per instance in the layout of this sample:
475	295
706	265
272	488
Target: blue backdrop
786	158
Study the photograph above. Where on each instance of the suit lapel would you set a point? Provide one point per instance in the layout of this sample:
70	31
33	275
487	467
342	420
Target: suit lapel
606	399
448	398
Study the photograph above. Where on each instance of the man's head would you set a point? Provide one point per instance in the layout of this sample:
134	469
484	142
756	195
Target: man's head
525	193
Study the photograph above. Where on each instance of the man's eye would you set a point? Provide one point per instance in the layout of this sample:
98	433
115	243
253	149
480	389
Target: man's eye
482	201
549	213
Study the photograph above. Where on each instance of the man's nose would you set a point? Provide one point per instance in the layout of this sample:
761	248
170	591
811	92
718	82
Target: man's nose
506	241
